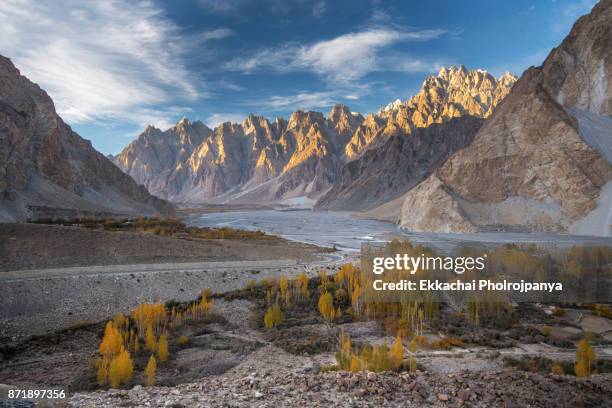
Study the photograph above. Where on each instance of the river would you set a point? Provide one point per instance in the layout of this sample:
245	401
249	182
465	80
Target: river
344	231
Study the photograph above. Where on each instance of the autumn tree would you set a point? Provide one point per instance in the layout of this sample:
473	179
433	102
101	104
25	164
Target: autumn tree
112	342
162	348
150	371
273	316
585	359
326	307
103	365
150	339
121	369
396	353
301	287
283	285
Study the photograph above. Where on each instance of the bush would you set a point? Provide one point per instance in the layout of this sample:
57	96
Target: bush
557	369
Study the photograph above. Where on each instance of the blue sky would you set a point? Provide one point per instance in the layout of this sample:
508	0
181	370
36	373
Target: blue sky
112	67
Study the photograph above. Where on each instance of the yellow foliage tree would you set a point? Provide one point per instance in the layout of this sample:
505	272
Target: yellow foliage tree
152	315
326	307
396	353
150	339
112	342
162	348
121	369
273	316
301	285
103	366
585	359
283	285
150	371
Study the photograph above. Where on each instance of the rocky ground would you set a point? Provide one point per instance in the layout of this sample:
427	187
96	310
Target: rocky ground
231	361
502	388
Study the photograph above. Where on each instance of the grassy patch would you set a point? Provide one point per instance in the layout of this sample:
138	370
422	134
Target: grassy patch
160	226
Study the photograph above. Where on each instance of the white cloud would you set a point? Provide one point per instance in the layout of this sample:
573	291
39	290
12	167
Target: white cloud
216	119
343	59
215	34
101	60
300	101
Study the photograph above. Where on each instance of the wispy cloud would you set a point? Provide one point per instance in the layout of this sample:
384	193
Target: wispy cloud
216	119
102	60
319	8
301	101
215	34
342	59
273	7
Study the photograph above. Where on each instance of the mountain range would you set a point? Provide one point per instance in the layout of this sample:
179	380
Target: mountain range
468	153
313	158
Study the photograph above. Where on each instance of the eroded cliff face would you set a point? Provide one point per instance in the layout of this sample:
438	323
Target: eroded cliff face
306	156
535	165
44	163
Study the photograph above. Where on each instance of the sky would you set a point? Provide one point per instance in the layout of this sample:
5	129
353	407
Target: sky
113	67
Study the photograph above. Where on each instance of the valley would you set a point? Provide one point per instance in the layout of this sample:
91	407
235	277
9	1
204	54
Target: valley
226	261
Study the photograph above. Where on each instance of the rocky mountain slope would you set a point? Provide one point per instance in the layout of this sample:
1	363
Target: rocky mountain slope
453	93
159	153
309	155
382	174
441	119
47	168
541	161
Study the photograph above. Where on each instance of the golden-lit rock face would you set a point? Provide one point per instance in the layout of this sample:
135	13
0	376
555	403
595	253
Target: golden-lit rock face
529	167
44	163
453	93
259	161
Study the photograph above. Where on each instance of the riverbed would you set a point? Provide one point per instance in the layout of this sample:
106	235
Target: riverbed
347	232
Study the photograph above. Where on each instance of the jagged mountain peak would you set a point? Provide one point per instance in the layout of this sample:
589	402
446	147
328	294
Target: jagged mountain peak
338	110
507	78
304	118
